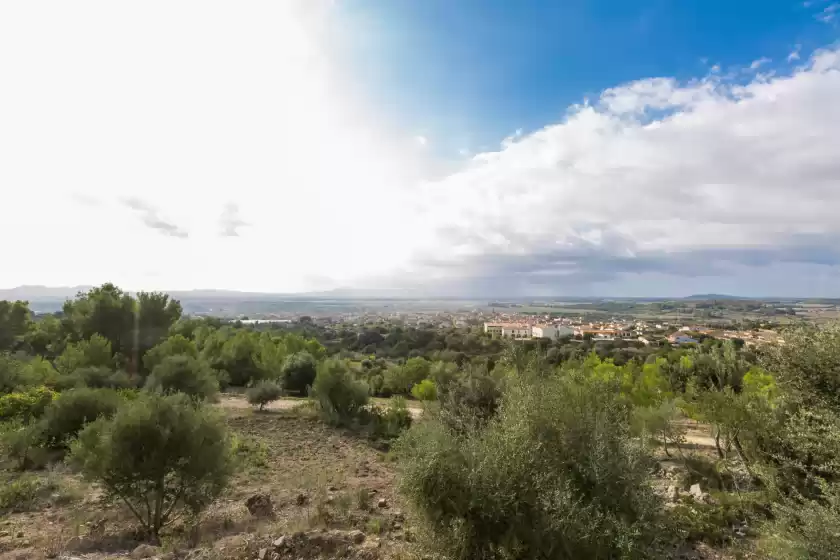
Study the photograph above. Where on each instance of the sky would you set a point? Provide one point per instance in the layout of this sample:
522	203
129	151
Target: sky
479	147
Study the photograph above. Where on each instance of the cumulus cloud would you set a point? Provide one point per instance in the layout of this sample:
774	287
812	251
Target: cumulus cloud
656	176
152	218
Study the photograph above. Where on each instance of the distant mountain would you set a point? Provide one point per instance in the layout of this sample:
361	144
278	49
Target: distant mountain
42	293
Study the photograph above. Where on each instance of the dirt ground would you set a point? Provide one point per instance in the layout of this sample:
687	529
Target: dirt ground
318	478
237	401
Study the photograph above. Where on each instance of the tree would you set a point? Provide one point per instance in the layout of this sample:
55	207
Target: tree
107	311
340	397
95	352
263	393
425	390
156	314
15	322
175	345
161	455
299	372
183	374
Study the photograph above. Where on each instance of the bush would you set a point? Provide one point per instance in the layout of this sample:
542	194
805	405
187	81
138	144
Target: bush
67	414
390	422
20	374
555	474
341	398
263	393
183	374
26	406
20	494
24	443
804	528
299	372
98	377
161	455
425	390
469	402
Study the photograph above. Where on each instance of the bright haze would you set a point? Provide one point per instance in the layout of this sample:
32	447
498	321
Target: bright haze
473	147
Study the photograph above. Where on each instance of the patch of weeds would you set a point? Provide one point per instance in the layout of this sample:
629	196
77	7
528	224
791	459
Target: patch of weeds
374	526
364	498
23	493
716	523
343	502
250	452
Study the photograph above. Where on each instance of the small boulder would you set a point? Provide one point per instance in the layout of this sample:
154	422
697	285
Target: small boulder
356	537
332	488
260	505
696	491
144	551
279	543
301	499
383	503
672	493
262	554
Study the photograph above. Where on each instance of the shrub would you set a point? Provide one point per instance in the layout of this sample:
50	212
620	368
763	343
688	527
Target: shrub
67	414
183	374
26	406
263	393
24	443
98	377
20	494
390	422
340	397
470	401
555	474
425	390
95	352
161	455
19	374
176	345
299	372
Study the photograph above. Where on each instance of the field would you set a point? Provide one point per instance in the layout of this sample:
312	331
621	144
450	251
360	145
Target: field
323	484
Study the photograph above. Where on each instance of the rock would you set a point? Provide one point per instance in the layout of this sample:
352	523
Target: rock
19	534
262	554
301	499
672	493
332	488
372	543
4	534
259	505
144	551
398	515
357	537
695	491
383	503
279	543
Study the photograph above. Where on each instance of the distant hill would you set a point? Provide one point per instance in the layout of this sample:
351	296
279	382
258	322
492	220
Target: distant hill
714	296
42	293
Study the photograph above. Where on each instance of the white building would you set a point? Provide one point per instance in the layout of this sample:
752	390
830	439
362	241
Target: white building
508	330
550	331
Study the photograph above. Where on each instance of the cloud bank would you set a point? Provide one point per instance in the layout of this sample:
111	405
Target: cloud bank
654	177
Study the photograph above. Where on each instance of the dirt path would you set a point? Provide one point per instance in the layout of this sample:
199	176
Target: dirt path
238	401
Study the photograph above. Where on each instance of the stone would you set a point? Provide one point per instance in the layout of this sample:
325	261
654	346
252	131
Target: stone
262	554
260	505
357	537
19	534
279	542
301	499
144	551
672	493
383	503
4	534
695	491
332	488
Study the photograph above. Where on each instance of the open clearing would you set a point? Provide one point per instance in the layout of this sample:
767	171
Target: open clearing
317	478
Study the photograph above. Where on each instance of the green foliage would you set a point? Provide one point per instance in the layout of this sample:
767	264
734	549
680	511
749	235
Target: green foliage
341	399
183	374
18	374
390	422
15	322
92	352
161	455
20	494
803	529
26	406
175	345
556	474
263	393
425	391
299	372
68	414
469	401
23	443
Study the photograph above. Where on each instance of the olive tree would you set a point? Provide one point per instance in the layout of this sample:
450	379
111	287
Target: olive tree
163	456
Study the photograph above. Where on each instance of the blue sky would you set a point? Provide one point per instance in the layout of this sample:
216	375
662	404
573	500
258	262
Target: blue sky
306	145
475	71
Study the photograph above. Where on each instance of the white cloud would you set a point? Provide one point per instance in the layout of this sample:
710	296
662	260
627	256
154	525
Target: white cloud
656	177
756	64
794	54
421	140
133	135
